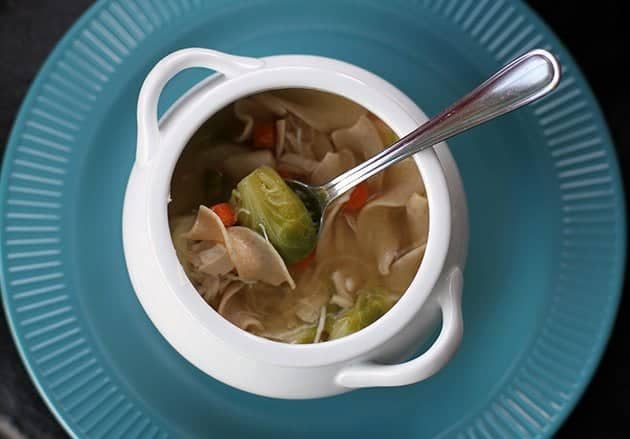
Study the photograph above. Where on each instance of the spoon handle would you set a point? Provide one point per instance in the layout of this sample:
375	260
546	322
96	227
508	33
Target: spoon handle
520	82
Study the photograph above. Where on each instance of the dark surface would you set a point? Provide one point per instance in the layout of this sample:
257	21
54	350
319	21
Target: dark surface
596	35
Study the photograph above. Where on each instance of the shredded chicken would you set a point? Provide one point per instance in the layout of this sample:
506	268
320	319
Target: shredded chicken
350	284
342	296
385	261
320	325
264	231
281	129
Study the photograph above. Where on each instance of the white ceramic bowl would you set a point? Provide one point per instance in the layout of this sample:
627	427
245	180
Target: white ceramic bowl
365	359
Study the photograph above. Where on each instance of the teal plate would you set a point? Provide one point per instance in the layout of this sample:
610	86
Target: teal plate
547	224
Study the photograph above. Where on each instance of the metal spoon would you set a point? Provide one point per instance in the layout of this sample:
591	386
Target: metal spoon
520	82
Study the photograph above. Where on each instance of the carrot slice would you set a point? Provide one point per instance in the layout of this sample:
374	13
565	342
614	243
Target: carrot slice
264	135
304	263
286	175
226	213
358	198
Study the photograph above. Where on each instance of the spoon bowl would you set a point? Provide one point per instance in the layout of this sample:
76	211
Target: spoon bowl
315	199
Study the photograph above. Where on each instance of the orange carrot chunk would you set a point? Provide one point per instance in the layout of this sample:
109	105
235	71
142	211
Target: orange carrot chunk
286	175
264	135
226	213
303	264
358	198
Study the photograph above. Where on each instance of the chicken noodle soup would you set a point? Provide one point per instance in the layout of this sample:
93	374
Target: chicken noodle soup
250	246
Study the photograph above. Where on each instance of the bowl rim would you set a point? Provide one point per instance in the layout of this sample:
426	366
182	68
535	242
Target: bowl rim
289	71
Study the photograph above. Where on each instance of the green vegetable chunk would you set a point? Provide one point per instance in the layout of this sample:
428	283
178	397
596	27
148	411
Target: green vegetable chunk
267	205
371	304
301	335
305	336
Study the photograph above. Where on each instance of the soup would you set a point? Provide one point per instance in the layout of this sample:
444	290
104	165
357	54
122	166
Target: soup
250	246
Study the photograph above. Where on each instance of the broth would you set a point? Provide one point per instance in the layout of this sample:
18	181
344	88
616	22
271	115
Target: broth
371	243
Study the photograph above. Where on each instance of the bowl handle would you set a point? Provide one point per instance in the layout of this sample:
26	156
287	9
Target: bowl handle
164	70
370	374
